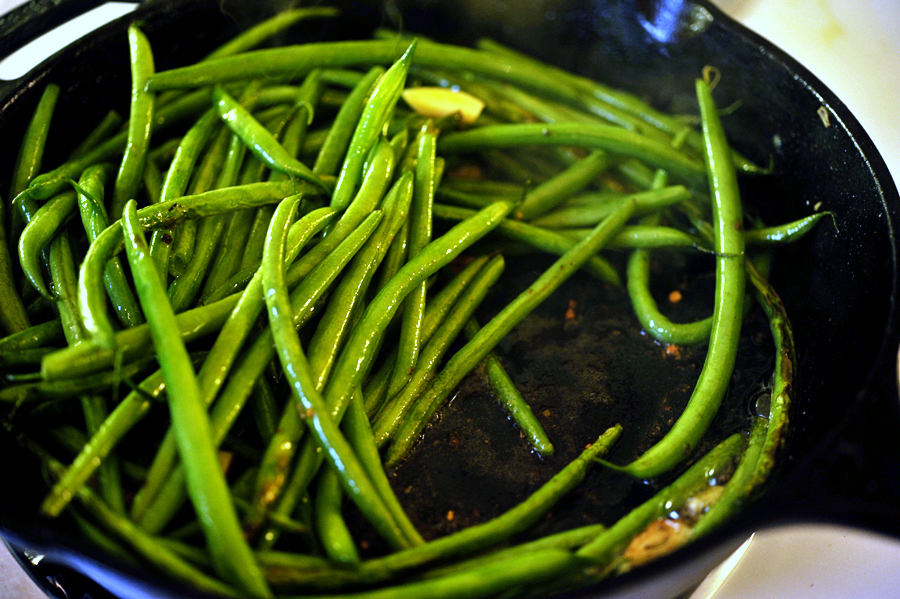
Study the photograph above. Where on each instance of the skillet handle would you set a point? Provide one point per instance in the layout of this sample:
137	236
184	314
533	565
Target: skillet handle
34	18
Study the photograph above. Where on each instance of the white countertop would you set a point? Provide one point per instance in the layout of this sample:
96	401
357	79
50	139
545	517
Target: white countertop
853	46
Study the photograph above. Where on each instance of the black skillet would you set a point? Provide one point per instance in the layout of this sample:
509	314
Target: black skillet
839	284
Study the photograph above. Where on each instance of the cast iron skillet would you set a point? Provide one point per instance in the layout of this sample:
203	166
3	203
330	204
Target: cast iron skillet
839	284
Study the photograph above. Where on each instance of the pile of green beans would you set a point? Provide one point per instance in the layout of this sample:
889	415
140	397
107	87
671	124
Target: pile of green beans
279	278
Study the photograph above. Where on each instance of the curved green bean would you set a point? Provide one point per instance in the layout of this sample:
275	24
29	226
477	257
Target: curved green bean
229	550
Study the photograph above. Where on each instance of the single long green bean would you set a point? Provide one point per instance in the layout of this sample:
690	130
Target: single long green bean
334	146
727	311
420	234
595	207
375	114
259	140
37	235
511	399
333	533
230	553
140	120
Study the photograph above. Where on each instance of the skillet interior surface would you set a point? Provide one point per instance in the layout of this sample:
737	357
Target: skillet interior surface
838	284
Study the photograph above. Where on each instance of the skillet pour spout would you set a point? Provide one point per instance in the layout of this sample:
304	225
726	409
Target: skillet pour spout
839	284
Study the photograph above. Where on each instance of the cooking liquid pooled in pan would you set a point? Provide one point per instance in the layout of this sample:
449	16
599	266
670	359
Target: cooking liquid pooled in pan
583	363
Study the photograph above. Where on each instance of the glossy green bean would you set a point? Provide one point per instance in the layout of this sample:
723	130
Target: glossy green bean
728	308
140	119
335	144
420	234
511	399
554	191
376	112
31	150
37	235
331	528
259	140
490	334
230	553
590	209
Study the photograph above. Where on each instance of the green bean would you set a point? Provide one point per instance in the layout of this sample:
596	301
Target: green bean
437	309
602	137
259	140
376	112
786	233
43	335
590	209
359	433
487	580
768	432
229	551
140	121
33	388
552	192
335	144
652	320
511	399
391	416
333	533
410	340
90	190
13	316
31	151
37	235
490	334
354	480
645	237
701	474
255	35
175	184
540	238
727	312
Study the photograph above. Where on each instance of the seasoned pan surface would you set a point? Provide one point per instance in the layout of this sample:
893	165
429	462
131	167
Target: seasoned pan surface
841	301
